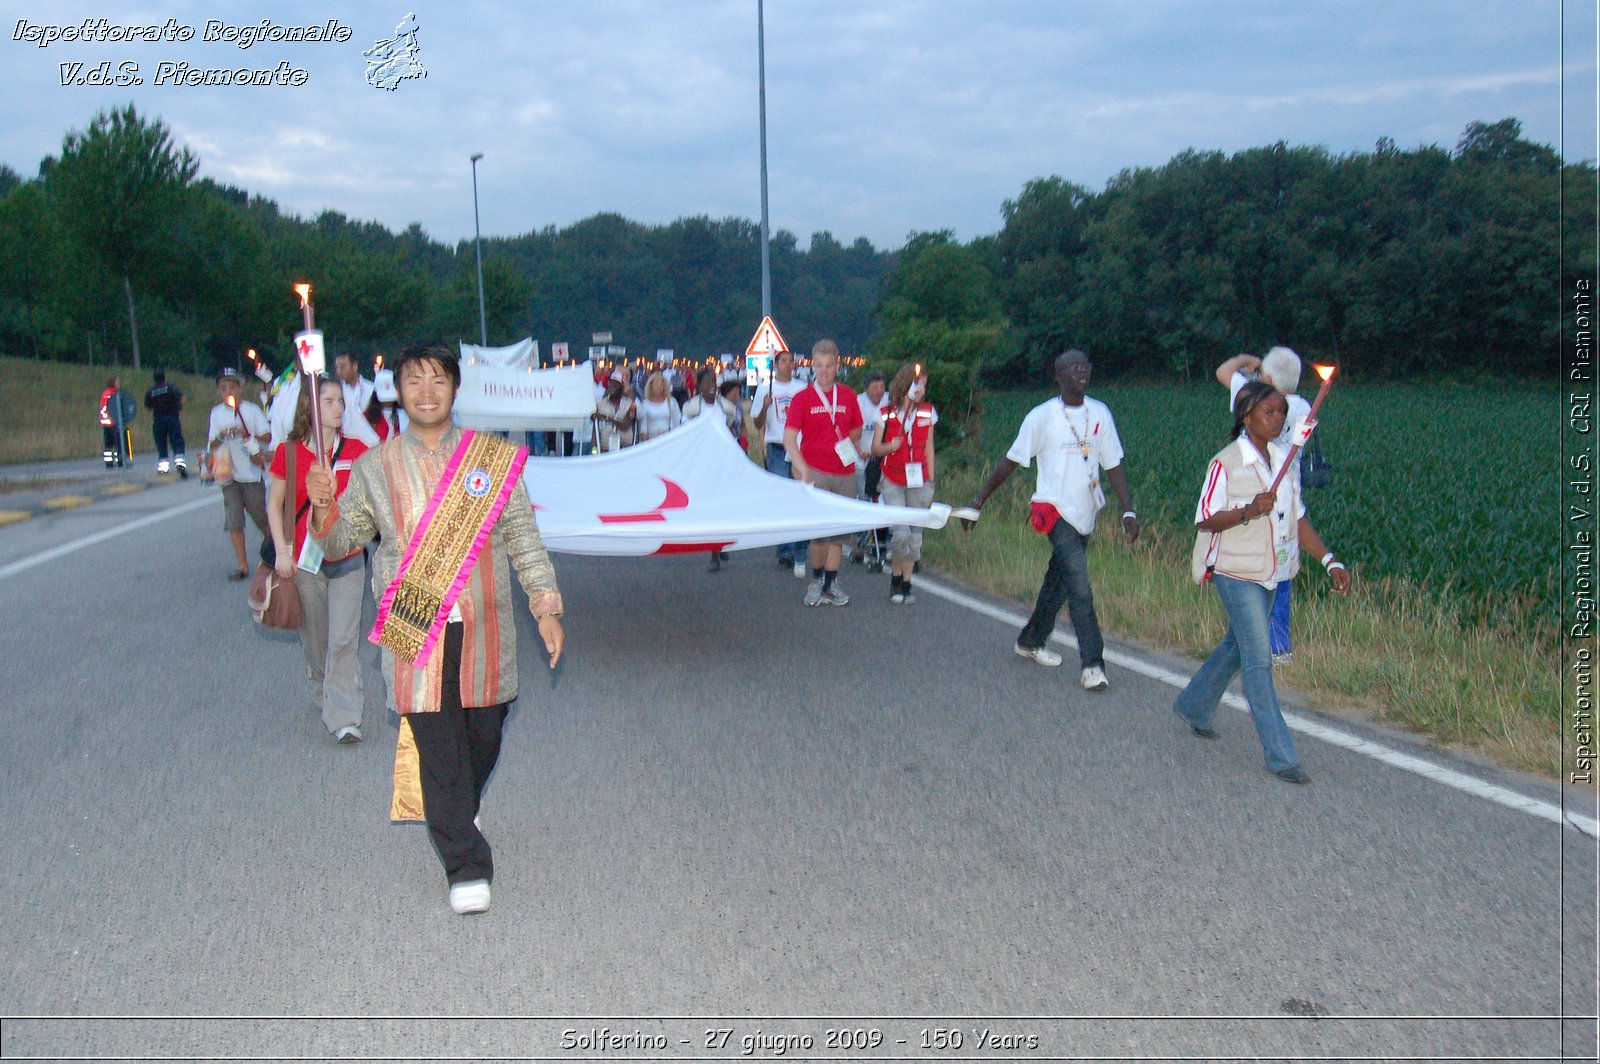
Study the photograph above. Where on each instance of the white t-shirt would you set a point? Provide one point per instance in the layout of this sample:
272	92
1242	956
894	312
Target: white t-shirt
777	417
1298	408
231	427
658	419
355	423
1057	435
871	414
282	415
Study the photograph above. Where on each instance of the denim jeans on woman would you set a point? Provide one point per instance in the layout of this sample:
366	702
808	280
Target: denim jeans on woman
1246	650
1066	581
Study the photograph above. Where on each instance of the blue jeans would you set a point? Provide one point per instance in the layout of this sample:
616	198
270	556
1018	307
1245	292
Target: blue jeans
778	464
1280	619
1066	581
1245	649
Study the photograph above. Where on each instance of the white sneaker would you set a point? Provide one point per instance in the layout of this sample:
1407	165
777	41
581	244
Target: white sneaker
835	596
348	734
1042	655
800	569
814	593
470	897
1094	679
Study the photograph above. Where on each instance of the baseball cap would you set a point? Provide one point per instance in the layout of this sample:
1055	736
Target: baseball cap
228	373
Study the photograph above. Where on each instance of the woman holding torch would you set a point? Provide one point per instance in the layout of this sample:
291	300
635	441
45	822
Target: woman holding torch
903	438
330	589
1252	528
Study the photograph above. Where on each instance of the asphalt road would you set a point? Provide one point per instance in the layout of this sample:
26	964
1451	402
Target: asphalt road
727	827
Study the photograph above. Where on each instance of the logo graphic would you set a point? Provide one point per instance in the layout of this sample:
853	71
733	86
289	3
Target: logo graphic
478	483
677	499
393	61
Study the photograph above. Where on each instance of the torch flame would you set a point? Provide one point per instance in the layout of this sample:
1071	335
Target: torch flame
1325	372
251	354
918	370
380	361
233	402
303	289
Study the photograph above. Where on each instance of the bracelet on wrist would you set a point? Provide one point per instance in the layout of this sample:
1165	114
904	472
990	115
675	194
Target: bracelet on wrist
1326	558
1129	513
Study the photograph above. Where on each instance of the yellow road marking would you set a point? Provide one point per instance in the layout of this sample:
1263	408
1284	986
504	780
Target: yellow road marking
66	502
11	517
123	489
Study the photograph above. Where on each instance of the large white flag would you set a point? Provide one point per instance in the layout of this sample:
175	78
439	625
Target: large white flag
690	490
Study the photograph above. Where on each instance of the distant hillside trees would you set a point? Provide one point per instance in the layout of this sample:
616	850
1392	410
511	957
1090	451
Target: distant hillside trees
1396	262
1393	262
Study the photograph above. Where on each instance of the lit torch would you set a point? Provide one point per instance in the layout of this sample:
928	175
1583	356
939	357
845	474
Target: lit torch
313	360
1326	373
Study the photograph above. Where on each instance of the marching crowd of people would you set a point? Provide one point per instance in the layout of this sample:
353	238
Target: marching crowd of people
384	480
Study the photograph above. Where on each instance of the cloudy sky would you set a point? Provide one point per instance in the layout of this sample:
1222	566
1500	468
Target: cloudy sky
884	116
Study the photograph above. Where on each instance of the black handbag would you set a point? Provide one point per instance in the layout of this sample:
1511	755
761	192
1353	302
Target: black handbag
1316	468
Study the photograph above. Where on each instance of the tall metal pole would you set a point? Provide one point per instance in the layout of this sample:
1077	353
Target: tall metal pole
766	239
483	325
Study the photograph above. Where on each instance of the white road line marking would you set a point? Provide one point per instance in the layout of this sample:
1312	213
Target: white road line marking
1317	730
24	564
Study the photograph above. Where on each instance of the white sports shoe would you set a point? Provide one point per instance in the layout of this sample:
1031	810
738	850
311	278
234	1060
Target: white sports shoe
470	897
1043	655
800	569
1094	679
347	735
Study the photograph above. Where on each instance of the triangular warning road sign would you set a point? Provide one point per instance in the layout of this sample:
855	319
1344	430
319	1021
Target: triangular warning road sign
767	340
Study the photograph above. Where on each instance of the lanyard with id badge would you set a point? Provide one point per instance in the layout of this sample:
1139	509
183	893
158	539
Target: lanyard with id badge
1084	449
908	424
842	446
311	556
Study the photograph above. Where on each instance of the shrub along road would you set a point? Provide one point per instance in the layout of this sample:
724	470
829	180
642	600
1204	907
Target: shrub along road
723	810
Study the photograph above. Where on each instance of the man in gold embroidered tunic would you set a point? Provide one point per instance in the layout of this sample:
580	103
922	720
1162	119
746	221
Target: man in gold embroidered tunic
423	492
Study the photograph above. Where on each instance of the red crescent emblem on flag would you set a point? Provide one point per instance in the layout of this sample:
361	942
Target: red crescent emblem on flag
677	499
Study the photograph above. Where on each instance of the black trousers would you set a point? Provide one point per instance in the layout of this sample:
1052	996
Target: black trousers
456	753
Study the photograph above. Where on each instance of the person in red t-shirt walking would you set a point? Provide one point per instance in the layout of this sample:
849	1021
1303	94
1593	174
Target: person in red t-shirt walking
822	437
330	589
904	440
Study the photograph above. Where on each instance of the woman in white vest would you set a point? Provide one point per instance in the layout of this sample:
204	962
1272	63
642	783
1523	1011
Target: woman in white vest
1250	539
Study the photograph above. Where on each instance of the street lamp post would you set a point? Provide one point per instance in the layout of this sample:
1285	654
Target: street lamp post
483	325
766	240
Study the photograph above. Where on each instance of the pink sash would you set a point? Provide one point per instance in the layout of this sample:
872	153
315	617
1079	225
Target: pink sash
438	561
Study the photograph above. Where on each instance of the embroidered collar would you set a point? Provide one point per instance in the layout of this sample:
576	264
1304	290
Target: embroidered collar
447	442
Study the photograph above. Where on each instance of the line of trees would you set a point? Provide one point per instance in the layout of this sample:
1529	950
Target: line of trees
115	253
1394	262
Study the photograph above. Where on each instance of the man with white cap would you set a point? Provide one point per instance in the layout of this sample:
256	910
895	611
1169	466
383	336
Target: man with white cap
615	414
